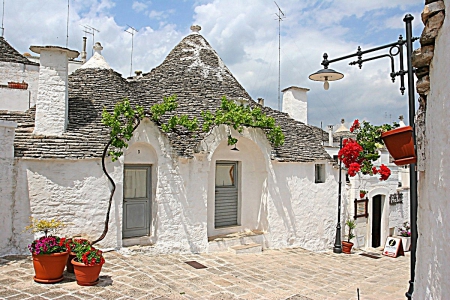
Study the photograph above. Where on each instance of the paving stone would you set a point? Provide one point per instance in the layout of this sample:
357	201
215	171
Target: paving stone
269	275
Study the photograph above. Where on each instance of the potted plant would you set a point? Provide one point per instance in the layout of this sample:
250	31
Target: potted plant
49	252
347	245
74	245
87	265
405	234
362	193
359	154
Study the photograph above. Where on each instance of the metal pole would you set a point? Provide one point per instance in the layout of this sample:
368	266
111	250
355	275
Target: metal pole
337	242
412	167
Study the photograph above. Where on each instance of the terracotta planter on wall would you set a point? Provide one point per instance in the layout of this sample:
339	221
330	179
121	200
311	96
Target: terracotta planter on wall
86	275
347	247
400	145
49	268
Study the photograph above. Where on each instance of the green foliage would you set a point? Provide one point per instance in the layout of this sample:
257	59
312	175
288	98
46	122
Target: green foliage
240	116
169	104
369	137
121	122
351	224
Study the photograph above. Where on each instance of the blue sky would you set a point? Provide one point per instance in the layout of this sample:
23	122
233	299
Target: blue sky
245	35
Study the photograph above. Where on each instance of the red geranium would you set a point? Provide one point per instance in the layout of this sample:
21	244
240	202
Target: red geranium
359	154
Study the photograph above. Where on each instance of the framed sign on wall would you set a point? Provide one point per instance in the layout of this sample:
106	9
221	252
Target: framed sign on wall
361	208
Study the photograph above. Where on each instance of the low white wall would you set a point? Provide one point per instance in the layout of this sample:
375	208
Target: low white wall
433	256
6	185
16	72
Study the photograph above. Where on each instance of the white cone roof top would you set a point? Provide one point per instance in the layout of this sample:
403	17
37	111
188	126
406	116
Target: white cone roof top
342	128
97	61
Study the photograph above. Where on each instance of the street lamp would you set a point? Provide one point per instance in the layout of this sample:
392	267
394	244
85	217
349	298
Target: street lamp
395	49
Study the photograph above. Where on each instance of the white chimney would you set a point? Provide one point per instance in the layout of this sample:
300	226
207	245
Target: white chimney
295	103
83	53
52	102
330	135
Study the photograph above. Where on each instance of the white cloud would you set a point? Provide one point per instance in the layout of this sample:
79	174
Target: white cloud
139	6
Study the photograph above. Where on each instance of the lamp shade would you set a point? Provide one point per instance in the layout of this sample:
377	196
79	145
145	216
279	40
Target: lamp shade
326	75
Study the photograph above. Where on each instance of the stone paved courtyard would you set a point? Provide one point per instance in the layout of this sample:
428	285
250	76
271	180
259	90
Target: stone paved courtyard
274	274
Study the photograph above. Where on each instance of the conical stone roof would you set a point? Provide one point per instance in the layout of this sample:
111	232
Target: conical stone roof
9	54
195	73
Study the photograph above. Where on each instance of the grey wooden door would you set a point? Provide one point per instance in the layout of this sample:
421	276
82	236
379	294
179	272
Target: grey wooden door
136	201
226	194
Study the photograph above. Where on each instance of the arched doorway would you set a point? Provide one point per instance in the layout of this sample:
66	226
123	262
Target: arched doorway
377	211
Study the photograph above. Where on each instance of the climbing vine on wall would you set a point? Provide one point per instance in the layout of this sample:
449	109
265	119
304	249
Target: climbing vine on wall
122	123
240	116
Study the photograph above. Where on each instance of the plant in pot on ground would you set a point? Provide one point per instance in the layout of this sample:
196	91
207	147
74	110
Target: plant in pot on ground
87	264
359	154
49	252
74	246
405	234
347	245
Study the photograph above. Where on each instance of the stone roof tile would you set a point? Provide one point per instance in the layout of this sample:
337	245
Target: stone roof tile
9	54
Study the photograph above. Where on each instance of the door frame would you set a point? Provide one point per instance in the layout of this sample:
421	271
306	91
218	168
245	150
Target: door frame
149	168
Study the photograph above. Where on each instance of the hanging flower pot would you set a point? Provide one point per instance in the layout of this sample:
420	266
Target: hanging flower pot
49	268
400	145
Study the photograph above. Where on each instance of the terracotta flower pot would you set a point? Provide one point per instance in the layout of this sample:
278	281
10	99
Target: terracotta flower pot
361	195
400	145
86	275
347	247
69	265
49	268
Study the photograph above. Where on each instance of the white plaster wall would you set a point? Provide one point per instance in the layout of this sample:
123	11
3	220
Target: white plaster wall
301	213
295	104
179	214
6	185
433	256
75	192
13	99
51	106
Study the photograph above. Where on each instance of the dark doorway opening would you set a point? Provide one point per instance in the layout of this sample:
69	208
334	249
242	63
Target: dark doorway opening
376	221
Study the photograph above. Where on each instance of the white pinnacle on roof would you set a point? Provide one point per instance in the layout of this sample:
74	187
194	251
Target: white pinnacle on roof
97	61
342	128
195	29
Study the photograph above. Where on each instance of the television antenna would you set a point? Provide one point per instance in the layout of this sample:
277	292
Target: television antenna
91	30
67	33
3	17
280	16
132	32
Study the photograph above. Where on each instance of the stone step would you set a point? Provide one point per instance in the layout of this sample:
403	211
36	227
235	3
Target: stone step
222	243
247	248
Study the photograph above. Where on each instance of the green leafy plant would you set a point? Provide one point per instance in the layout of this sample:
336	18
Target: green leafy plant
239	116
169	104
351	224
122	123
89	255
358	155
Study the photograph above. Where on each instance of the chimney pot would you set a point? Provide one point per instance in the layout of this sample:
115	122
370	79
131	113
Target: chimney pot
261	101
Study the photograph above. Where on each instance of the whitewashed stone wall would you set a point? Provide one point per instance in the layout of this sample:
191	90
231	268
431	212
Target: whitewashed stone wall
280	199
433	256
13	99
301	213
6	185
